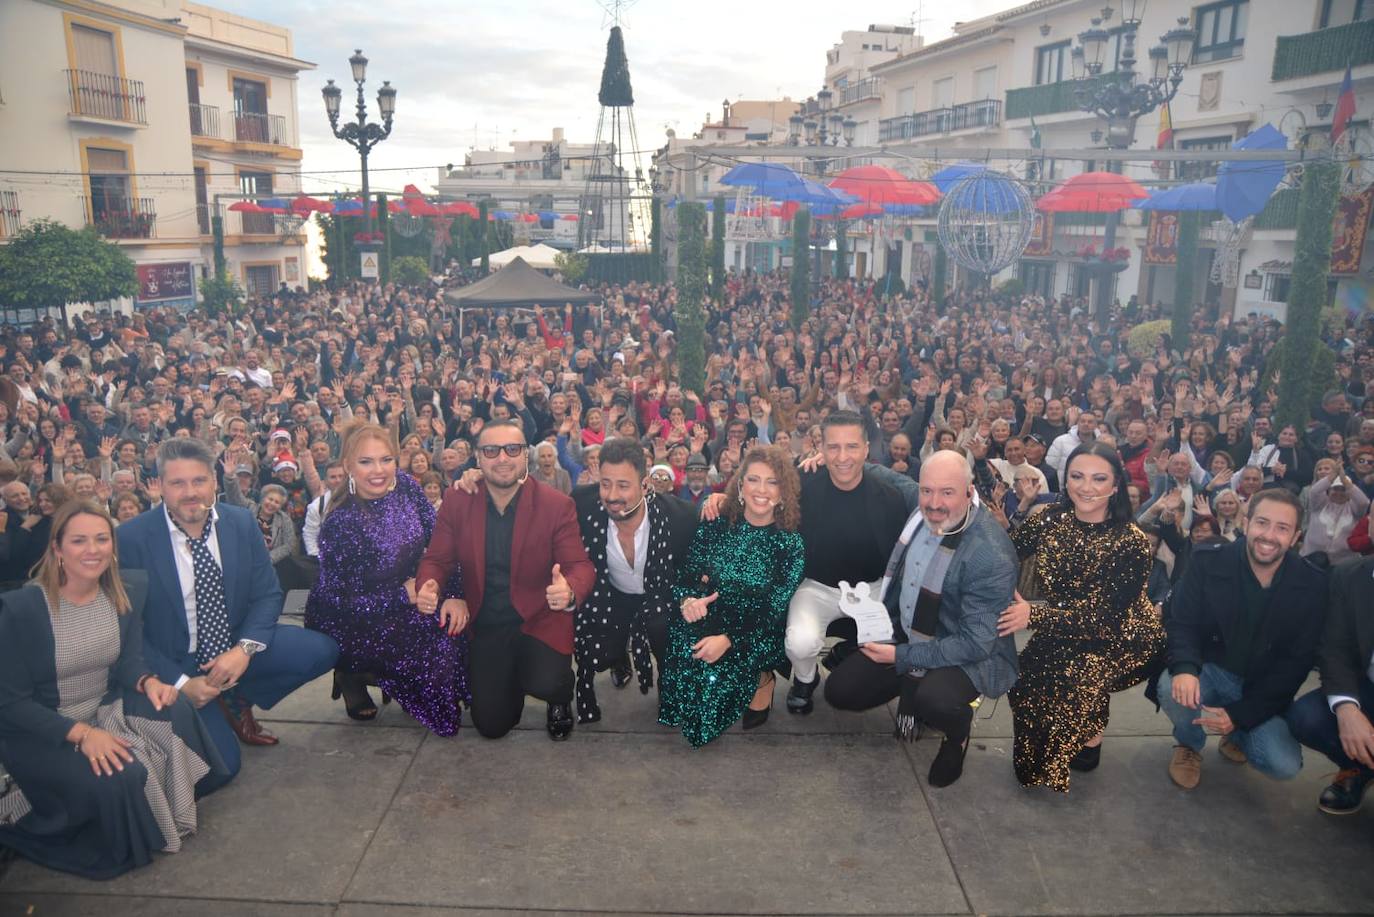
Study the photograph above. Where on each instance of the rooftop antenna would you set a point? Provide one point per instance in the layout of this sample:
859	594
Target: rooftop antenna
918	18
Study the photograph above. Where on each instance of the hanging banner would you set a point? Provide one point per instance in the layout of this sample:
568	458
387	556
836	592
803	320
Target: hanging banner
1349	229
1042	236
160	282
1161	239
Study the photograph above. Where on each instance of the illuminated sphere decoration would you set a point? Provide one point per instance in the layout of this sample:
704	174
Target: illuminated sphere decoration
985	221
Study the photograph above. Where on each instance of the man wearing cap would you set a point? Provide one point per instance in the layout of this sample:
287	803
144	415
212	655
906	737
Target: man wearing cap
698	485
1036	449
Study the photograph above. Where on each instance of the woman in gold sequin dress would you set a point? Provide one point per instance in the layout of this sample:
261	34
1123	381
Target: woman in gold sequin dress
1096	632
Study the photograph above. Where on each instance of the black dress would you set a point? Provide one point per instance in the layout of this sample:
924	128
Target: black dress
82	665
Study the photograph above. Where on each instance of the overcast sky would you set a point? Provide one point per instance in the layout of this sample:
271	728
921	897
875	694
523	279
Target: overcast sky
479	73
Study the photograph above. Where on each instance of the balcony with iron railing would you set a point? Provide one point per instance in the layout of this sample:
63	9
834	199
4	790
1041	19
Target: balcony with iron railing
121	218
204	120
107	97
984	113
1323	51
264	224
863	89
10	215
1051	98
257	127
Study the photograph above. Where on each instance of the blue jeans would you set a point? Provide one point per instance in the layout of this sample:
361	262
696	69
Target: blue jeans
1314	725
1270	747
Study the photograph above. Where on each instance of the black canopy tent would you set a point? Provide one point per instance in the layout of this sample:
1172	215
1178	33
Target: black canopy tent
515	285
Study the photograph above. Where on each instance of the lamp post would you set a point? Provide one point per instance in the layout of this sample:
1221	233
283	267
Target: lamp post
824	126
1121	101
361	134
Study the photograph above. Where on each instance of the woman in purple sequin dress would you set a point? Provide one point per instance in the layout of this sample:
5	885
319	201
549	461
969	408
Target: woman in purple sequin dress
371	541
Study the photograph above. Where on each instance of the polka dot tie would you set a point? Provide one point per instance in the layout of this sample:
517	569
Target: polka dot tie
212	612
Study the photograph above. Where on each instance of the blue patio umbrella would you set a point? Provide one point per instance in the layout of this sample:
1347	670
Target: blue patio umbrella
949	176
348	206
1196	196
768	179
504	215
547	215
1243	188
274	203
822	200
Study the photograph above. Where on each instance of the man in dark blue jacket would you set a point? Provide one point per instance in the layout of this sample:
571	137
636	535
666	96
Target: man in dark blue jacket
210	627
1243	628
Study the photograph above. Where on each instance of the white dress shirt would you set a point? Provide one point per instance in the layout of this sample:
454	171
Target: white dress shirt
186	575
314	516
627	579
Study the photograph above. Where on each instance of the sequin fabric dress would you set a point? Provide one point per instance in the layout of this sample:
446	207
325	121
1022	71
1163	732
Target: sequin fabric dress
1095	634
368	549
755	569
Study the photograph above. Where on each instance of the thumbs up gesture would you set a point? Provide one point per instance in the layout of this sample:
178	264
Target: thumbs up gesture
427	599
694	610
559	595
1016	617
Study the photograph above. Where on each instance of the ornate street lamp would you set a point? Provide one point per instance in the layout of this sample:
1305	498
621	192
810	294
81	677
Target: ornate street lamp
1123	98
361	134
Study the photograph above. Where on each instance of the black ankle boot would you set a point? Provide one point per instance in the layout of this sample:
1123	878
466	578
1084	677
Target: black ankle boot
560	722
1087	759
799	695
949	762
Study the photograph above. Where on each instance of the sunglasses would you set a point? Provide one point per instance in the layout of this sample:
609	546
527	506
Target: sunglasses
511	449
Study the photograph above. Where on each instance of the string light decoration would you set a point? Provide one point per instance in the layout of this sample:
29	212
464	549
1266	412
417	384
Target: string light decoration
985	221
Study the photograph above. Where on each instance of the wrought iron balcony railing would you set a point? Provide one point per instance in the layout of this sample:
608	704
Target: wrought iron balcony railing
254	127
101	95
121	218
985	113
204	120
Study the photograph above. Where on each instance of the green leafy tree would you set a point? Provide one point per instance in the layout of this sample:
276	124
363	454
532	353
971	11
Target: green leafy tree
221	295
691	287
572	266
48	265
718	249
656	228
801	267
384	227
1182	315
483	209
938	271
410	270
1299	380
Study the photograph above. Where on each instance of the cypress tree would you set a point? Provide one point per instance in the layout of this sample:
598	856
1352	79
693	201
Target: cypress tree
801	267
691	287
1186	266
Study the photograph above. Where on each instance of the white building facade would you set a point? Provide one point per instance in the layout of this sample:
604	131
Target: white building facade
131	116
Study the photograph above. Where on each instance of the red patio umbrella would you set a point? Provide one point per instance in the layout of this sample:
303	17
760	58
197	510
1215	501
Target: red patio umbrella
303	204
571	217
415	203
248	207
529	218
881	185
1094	192
458	208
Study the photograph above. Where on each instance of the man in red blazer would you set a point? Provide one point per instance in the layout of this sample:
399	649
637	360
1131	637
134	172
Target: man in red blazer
524	571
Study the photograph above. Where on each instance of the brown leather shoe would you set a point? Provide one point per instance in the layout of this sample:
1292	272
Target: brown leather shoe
1231	751
246	727
1186	767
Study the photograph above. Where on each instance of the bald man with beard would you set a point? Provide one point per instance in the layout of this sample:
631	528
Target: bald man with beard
951	574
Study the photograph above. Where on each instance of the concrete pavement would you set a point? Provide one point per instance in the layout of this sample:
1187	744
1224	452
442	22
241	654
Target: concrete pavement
825	814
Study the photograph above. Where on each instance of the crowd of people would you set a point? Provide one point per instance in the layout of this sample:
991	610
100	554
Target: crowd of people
505	505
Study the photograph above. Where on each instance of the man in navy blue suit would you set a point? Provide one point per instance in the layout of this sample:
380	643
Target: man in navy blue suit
210	627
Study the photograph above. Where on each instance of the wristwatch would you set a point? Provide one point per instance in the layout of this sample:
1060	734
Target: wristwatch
250	647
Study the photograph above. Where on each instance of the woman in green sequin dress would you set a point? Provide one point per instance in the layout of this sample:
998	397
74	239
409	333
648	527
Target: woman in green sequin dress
739	575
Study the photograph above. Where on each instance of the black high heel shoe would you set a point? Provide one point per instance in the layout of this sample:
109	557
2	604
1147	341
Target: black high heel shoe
352	687
1087	759
752	718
